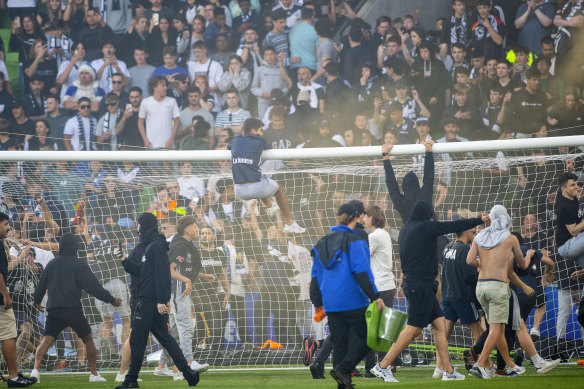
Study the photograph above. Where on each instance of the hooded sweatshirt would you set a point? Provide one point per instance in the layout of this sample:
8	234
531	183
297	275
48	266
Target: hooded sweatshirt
66	276
498	231
188	261
412	192
341	272
417	241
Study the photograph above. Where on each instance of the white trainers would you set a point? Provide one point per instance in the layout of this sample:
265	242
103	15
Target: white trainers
384	374
294	228
36	374
480	372
545	367
96	378
120	377
273	210
199	367
438	373
454	376
178	376
164	372
534	332
517	369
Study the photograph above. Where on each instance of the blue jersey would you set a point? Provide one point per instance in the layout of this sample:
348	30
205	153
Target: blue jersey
246	155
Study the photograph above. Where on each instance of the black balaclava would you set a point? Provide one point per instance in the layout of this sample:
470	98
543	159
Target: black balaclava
68	245
410	184
148	226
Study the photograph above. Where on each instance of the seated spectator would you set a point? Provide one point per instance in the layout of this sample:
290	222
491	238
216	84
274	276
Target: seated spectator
85	86
41	140
20	124
216	27
232	117
39	64
80	130
534	20
266	78
199	139
35	99
106	126
567	117
467	115
322	137
162	36
109	65
141	71
93	34
68	70
236	77
400	125
127	131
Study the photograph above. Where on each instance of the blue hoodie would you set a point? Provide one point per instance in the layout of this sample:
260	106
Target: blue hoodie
341	268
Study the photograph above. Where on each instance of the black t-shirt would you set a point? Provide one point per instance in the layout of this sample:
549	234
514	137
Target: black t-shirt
527	109
130	135
458	279
532	274
21	282
22	130
569	212
46	70
538	241
212	262
3	265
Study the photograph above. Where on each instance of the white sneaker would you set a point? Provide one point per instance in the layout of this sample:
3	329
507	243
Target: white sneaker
96	378
273	210
454	376
517	369
164	372
480	372
178	376
199	367
534	332
384	374
120	377
438	373
294	228
36	374
545	367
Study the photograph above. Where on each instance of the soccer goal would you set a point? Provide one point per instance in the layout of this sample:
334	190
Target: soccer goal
251	306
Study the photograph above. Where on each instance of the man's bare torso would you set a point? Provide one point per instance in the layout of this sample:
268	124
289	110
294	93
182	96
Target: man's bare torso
497	262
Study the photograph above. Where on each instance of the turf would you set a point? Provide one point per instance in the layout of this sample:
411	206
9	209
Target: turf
565	376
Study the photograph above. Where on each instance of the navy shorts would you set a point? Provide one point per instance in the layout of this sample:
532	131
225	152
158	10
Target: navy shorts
468	313
423	307
59	319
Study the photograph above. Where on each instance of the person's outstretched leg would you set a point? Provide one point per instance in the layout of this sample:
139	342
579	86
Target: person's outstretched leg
282	201
91	353
46	343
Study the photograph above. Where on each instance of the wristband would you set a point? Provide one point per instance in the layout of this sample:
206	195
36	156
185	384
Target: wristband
384	154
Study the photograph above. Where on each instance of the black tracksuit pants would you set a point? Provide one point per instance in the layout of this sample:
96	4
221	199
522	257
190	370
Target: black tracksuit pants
146	319
348	350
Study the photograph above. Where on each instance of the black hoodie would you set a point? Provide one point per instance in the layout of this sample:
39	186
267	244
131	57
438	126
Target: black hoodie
403	203
66	276
417	241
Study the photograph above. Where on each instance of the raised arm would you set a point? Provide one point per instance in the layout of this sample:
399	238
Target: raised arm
390	180
428	180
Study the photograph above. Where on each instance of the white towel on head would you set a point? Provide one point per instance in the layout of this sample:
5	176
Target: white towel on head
498	231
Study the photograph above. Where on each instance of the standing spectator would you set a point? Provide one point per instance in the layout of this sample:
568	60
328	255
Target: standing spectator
68	70
170	67
85	86
534	21
249	50
204	66
265	79
222	53
355	56
488	31
6	99
197	34
74	16
325	51
8	322
159	117
41	65
35	99
80	130
456	29
56	120
116	14
571	18
548	51
248	18
292	11
304	87
527	107
216	27
236	77
24	32
382	26
193	109
118	90
20	8
20	124
552	86
58	42
232	117
567	116
303	41
138	36
94	34
106	126
141	72
162	36
278	36
108	66
127	129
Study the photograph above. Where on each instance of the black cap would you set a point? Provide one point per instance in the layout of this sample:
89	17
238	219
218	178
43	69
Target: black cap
324	123
401	83
181	77
358	204
349	209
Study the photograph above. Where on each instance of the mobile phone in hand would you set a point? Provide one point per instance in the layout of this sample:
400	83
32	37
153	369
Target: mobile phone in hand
121	248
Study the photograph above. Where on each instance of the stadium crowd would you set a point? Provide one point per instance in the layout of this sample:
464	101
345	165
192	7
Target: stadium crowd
185	75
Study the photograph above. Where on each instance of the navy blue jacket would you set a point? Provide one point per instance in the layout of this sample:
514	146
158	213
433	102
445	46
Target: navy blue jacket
246	155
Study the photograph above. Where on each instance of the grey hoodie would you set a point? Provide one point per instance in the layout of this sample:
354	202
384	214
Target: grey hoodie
265	79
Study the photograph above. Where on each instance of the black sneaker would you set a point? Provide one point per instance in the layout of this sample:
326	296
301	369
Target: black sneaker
519	357
21	382
308	350
192	377
356	373
468	359
317	371
343	380
127	385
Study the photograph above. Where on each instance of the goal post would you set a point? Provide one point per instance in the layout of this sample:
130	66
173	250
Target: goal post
99	194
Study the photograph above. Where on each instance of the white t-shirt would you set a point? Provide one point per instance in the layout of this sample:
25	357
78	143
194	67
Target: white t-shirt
213	70
192	187
71	128
158	119
105	82
4	70
382	259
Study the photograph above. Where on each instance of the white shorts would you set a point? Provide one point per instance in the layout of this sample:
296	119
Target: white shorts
118	289
265	188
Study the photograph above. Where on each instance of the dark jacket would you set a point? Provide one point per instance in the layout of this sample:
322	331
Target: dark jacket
188	260
66	276
403	203
132	266
459	280
417	241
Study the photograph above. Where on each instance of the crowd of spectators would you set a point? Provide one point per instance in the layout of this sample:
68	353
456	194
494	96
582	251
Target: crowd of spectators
496	70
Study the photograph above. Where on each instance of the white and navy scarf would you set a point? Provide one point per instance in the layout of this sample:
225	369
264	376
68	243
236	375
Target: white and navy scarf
575	8
83	138
64	43
481	31
458	33
106	128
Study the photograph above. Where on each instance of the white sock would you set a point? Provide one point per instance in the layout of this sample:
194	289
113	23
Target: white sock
14	379
537	361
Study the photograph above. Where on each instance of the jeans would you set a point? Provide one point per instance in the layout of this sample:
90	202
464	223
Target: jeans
566	300
181	325
574	249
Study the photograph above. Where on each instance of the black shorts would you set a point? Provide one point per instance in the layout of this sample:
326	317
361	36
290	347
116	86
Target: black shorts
467	312
541	297
423	307
526	304
61	318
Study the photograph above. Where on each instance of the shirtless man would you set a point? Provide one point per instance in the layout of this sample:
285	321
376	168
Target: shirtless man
496	248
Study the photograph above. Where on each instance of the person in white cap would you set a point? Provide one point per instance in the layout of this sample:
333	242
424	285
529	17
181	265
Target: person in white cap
85	86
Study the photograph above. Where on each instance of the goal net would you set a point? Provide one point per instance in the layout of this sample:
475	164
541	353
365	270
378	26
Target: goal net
251	304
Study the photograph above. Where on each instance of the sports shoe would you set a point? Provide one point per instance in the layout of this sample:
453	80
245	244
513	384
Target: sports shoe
384	374
534	332
480	372
294	228
21	382
178	376
96	378
34	373
469	359
127	385
199	367
308	348
438	373
517	369
192	377
122	377
507	372
317	371
519	357
273	210
454	376
547	365
343	380
164	372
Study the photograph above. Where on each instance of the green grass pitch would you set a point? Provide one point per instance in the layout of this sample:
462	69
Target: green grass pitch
564	376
